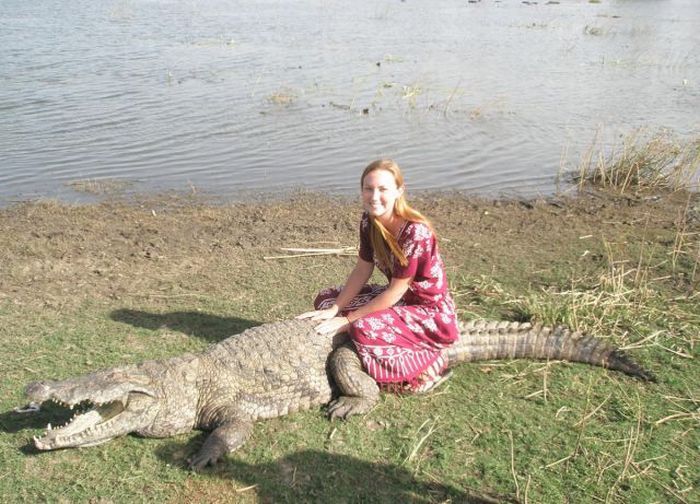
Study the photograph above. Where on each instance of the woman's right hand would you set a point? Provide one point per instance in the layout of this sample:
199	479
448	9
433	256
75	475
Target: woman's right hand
326	314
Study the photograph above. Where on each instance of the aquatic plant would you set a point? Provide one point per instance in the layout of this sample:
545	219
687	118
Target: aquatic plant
99	186
643	163
282	97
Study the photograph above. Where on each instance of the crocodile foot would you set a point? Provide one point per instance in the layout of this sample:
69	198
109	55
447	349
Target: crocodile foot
346	406
226	438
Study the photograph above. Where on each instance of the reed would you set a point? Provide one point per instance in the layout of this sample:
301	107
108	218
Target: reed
643	163
623	301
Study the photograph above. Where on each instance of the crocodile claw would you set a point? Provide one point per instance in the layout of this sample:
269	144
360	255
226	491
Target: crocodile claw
208	455
346	406
200	461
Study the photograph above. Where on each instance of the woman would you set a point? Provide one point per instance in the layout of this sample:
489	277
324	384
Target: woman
399	329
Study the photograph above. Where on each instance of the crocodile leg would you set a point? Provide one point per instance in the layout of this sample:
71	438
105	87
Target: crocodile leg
225	438
359	391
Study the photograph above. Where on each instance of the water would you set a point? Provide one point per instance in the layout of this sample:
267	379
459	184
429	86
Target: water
233	97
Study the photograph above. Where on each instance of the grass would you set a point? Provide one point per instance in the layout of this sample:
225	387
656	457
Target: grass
91	287
643	163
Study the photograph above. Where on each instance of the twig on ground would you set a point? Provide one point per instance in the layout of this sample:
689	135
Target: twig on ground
512	466
310	252
595	410
417	446
694	415
245	489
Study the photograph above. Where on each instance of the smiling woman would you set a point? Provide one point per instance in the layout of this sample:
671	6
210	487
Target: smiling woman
400	330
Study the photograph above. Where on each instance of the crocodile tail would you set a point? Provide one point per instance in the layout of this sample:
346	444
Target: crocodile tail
494	340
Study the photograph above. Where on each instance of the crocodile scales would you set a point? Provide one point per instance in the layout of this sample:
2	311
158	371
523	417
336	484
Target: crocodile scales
268	371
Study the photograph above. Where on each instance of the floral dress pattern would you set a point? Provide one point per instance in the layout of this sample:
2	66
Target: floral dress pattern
401	343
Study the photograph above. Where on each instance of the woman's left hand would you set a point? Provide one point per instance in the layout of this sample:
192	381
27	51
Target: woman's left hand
333	326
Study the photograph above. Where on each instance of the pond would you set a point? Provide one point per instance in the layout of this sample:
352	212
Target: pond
236	97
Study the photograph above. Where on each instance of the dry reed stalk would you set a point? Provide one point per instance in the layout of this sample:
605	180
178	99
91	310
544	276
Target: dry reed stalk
643	162
675	398
312	252
245	489
683	412
581	425
675	352
512	465
527	488
417	445
593	412
639	344
630	451
452	95
693	415
668	489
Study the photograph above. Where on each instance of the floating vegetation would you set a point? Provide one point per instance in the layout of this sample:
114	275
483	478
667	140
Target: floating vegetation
122	11
282	98
410	93
593	30
100	187
643	164
220	41
389	58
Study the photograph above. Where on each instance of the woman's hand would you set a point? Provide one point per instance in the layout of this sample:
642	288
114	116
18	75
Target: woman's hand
326	314
333	326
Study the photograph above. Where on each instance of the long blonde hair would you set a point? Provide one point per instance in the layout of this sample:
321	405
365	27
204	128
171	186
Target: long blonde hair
382	240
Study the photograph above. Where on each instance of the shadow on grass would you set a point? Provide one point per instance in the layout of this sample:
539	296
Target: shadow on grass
11	421
211	328
316	476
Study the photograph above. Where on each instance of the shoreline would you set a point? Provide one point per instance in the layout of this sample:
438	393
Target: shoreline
107	195
118	233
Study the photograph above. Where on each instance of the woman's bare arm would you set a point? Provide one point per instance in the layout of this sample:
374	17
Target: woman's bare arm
357	278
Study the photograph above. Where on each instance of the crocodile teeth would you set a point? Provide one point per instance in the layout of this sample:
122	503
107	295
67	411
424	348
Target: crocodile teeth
39	444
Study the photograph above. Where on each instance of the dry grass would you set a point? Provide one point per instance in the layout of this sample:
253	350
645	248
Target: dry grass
643	163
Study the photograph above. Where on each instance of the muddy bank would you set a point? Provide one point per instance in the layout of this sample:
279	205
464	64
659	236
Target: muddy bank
164	249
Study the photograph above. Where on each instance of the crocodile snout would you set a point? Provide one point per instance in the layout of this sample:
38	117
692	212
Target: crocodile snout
38	390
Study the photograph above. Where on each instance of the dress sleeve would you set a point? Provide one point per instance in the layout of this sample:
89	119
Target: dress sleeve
366	251
417	246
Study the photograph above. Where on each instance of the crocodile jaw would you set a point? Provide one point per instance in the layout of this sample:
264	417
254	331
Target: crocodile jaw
100	424
91	428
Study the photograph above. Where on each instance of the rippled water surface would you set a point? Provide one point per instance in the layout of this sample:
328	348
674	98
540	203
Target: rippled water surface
238	96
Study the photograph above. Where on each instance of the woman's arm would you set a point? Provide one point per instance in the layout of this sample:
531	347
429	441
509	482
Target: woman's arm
356	280
397	288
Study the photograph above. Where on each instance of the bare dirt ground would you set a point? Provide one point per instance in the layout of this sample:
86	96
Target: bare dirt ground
170	247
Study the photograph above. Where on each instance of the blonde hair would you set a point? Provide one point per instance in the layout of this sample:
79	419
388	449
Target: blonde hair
382	240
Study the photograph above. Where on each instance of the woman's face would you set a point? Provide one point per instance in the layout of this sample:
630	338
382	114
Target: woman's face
379	194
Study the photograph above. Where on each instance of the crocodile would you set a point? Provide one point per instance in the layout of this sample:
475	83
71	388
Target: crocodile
268	371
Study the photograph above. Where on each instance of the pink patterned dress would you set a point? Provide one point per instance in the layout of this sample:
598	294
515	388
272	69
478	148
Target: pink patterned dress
403	344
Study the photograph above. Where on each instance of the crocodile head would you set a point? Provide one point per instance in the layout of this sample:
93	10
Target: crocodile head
109	404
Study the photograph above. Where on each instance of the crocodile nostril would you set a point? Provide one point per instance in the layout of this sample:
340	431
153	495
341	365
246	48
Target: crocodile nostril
38	388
